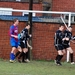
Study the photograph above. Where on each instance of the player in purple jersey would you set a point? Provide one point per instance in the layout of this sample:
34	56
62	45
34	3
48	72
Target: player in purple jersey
13	38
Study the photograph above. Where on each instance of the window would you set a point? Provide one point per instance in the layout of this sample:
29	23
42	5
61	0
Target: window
26	14
5	12
18	0
47	5
66	17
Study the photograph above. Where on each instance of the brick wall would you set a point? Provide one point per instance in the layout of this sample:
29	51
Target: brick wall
66	6
4	38
62	5
21	6
43	34
18	5
4	25
42	40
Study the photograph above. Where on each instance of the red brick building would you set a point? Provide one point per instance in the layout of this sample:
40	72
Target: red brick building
43	33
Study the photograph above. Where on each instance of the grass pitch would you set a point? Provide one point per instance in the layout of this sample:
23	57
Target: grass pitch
36	68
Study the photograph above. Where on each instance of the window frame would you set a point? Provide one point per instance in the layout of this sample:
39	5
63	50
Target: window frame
6	12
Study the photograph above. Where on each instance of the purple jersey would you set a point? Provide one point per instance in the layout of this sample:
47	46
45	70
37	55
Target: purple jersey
13	31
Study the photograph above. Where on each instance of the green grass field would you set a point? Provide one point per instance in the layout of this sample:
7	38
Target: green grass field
36	68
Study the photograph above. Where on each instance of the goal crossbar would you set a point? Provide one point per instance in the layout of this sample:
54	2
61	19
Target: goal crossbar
35	11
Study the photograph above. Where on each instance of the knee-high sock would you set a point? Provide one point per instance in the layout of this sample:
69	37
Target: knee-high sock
23	57
17	53
56	57
59	58
27	55
21	54
71	56
12	56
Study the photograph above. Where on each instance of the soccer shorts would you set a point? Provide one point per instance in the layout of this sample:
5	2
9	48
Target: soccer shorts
59	47
13	43
23	44
66	46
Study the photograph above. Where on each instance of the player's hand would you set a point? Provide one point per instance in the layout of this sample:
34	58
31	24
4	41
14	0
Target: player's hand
16	36
31	47
63	39
73	38
30	35
67	39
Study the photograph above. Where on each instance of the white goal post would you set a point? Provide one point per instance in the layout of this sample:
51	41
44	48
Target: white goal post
50	12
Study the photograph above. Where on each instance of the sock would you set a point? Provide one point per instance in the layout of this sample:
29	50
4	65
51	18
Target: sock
56	57
26	55
59	58
12	56
17	53
23	57
21	54
71	56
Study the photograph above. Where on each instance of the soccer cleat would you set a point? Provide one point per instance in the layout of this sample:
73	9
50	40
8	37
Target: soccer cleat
24	62
27	60
72	63
11	61
58	63
55	61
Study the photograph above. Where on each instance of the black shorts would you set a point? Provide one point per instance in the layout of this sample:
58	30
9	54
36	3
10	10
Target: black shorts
66	46
23	45
59	47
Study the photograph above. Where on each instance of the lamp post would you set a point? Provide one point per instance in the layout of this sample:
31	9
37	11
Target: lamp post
30	14
30	21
